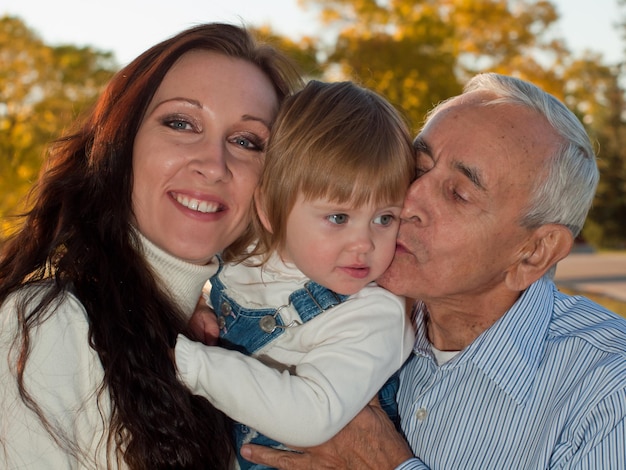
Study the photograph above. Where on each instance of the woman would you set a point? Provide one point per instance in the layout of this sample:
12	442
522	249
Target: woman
106	270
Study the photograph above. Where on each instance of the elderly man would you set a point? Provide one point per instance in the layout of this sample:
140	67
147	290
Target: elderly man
507	372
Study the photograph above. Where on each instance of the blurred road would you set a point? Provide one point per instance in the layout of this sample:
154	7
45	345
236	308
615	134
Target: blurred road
598	273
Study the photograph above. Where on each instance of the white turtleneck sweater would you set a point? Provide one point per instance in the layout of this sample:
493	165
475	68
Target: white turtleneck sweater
64	374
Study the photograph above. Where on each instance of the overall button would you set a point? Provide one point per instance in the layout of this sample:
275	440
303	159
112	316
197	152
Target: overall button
225	309
268	323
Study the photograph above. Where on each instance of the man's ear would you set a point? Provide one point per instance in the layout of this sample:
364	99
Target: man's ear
547	245
259	205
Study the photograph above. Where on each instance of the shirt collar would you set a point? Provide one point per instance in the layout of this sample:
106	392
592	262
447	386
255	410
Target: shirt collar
182	280
514	343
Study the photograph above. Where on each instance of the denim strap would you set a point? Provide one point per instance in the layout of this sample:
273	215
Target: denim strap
313	299
249	329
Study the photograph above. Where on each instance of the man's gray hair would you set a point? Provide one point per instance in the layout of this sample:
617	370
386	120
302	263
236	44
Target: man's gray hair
565	194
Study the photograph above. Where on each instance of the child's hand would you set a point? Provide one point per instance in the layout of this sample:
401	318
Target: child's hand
202	325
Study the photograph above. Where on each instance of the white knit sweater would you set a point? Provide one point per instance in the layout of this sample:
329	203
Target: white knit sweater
64	373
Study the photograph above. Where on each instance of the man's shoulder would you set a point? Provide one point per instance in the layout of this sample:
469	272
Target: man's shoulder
581	318
583	357
589	341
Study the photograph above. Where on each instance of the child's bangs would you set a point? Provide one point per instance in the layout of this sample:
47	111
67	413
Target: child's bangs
361	180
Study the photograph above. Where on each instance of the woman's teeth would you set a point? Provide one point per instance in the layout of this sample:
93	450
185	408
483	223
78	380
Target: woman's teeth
197	205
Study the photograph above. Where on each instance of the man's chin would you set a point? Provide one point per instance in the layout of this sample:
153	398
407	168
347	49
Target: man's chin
400	277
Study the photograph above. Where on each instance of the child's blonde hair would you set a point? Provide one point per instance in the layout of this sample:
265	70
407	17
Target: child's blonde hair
337	141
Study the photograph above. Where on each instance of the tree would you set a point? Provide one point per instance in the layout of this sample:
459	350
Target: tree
42	89
398	48
594	94
394	66
603	96
419	52
303	52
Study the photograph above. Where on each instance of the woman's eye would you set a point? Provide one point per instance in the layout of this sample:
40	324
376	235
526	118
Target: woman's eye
337	219
178	124
248	143
385	219
244	142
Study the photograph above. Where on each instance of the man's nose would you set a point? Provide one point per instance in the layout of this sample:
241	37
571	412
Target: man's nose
413	200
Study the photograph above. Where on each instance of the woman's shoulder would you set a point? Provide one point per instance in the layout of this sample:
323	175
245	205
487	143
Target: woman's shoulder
63	309
62	374
59	339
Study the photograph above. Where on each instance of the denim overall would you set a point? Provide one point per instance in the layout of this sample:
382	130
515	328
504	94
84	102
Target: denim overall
248	330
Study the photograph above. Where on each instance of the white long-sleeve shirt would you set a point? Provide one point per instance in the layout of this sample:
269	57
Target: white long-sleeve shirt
63	375
306	385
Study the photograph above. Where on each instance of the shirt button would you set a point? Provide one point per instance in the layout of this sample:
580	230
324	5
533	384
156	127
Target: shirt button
421	414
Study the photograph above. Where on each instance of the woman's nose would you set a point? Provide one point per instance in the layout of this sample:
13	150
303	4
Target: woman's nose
211	161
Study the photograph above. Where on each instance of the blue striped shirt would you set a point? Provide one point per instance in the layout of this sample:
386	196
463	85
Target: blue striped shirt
543	388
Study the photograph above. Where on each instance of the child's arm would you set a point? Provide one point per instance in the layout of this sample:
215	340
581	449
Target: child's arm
354	348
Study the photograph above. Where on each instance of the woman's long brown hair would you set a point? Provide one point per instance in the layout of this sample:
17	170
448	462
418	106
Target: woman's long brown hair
78	233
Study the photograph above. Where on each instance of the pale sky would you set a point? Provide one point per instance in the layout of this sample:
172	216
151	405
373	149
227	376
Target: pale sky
128	27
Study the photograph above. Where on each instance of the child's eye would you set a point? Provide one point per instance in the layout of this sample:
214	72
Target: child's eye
385	219
337	219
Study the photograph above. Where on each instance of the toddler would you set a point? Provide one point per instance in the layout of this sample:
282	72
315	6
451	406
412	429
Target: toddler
308	337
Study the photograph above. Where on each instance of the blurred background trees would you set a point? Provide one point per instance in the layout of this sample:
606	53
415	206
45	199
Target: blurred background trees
42	89
414	52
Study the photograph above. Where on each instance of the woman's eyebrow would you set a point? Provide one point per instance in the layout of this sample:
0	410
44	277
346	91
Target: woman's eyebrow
248	117
192	102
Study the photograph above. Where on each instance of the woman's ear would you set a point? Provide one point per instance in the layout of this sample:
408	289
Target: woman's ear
547	245
259	205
